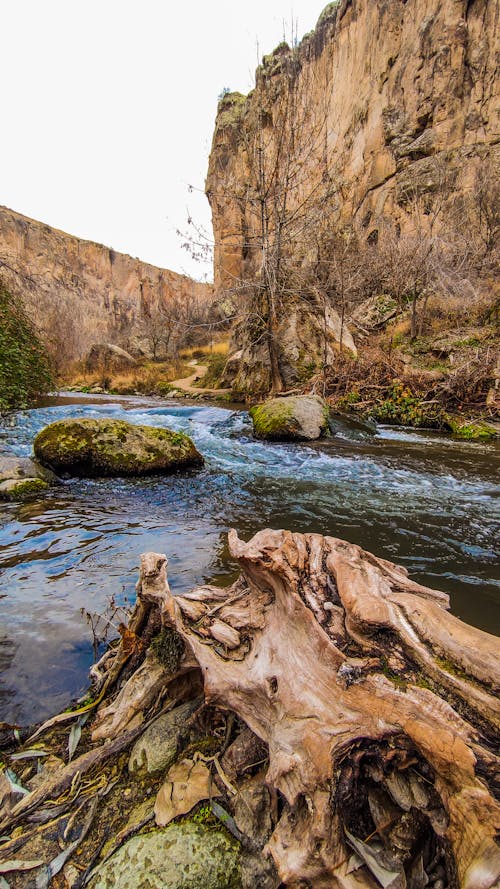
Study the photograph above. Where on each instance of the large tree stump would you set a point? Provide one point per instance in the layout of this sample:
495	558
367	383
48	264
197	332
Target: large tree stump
377	705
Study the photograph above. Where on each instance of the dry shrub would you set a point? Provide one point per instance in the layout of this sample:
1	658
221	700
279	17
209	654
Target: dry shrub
470	382
372	370
148	379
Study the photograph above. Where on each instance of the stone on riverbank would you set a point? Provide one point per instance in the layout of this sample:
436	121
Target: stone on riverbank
183	856
472	430
87	447
291	418
158	747
22	478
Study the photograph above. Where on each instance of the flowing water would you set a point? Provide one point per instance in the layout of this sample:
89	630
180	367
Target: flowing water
419	499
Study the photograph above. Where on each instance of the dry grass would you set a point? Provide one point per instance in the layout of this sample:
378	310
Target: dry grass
149	378
218	347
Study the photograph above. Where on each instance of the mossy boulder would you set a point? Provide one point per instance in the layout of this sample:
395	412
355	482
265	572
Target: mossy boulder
291	418
22	478
22	489
86	448
183	856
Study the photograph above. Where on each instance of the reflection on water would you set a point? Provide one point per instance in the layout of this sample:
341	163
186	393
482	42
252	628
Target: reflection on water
419	499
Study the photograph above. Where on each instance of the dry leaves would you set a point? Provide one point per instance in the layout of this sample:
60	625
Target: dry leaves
187	783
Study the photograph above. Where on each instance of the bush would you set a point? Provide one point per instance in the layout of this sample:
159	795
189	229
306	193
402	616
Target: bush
24	366
216	364
401	407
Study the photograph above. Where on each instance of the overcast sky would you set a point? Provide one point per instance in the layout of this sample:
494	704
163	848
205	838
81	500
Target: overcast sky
108	109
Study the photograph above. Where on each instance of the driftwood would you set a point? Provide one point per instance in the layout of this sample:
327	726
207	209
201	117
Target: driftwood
379	709
361	723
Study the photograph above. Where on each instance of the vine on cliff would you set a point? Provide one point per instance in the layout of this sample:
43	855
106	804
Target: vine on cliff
24	366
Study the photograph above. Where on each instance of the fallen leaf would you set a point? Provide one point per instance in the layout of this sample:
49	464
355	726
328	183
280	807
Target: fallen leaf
186	784
75	735
15	786
130	641
228	821
32	753
56	865
19	865
373	859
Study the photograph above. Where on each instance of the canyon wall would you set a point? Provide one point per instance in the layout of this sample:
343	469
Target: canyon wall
391	101
88	289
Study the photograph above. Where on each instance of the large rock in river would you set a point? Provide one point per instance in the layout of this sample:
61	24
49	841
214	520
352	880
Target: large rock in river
184	856
291	418
114	448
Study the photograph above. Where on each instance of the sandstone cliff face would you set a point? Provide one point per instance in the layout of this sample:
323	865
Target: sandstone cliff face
397	99
61	276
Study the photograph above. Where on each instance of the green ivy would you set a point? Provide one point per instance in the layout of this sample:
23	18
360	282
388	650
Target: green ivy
24	365
401	407
345	402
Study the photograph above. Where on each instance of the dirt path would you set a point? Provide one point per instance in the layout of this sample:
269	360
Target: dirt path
186	383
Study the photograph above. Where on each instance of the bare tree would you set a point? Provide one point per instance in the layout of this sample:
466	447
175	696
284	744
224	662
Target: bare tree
475	218
152	330
187	319
279	203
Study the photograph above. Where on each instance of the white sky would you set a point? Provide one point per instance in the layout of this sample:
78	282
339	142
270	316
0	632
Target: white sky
108	109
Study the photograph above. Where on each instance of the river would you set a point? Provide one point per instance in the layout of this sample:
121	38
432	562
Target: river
420	499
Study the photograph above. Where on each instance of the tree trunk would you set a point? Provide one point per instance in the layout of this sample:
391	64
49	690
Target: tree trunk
377	706
413	323
276	380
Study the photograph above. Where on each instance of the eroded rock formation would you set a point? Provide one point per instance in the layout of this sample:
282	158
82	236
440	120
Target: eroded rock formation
59	275
391	101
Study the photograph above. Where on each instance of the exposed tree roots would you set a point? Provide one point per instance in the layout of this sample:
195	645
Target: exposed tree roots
373	710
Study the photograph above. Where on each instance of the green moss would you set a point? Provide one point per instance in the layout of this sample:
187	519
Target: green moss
449	667
471	431
346	402
230	110
208	746
398	681
185	853
164	388
422	682
305	368
270	420
168	648
280	419
272	62
24	489
204	815
469	341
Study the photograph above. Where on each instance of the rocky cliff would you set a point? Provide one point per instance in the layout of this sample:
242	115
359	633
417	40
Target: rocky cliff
387	101
89	291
